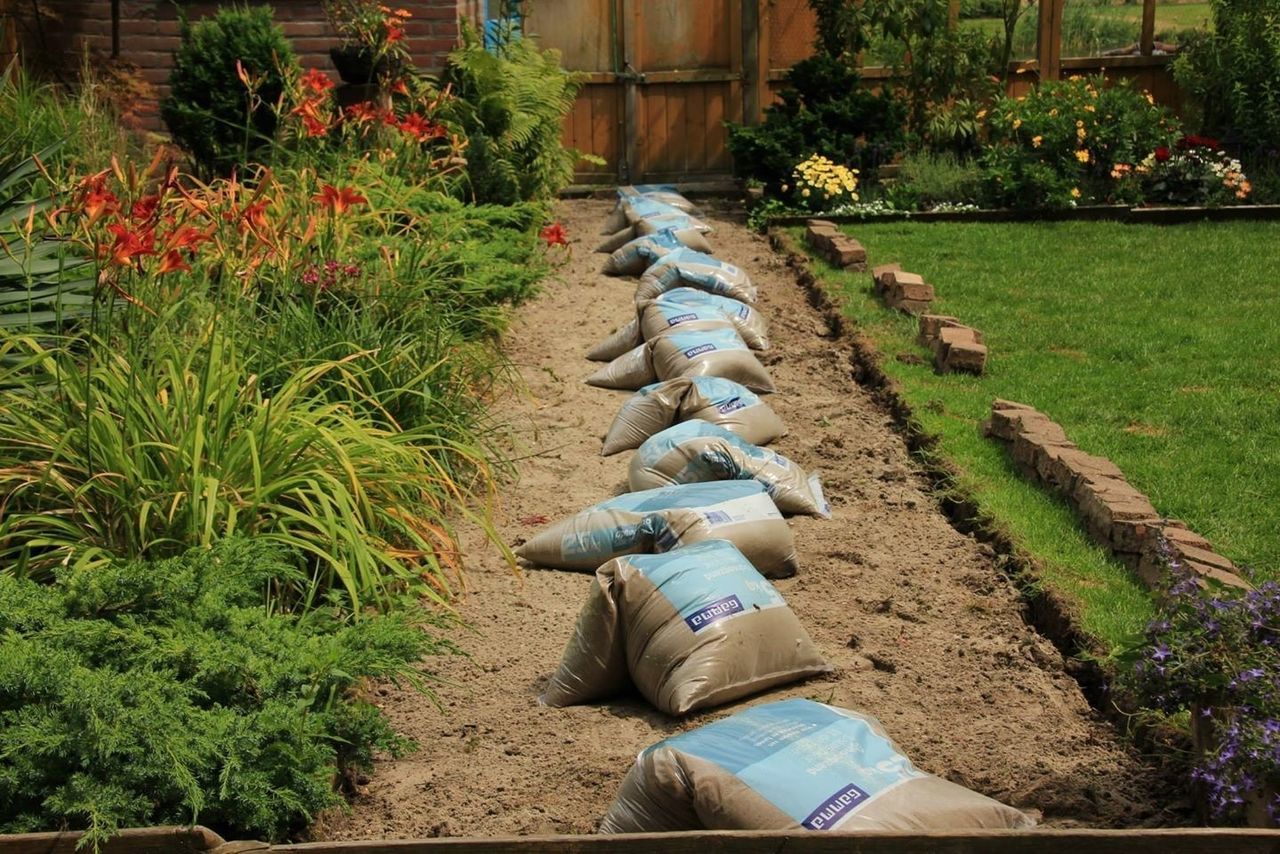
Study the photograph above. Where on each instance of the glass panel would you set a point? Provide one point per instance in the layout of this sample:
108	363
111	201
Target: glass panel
1175	19
1100	27
989	18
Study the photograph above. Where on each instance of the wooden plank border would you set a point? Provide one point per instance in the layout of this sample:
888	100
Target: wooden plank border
1172	841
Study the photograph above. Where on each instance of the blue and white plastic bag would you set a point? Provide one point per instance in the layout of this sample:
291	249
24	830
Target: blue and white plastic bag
794	765
656	407
688	268
697	451
693	628
681	310
661	520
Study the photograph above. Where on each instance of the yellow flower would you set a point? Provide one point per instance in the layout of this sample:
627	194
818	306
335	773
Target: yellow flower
1082	155
1036	140
1150	100
1090	108
1017	123
805	192
982	114
1079	123
1075	192
1080	134
1053	112
785	188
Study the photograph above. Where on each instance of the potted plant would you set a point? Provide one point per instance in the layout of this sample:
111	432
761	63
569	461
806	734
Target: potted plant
373	48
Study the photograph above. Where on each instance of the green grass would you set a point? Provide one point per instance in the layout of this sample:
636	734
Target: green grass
1158	347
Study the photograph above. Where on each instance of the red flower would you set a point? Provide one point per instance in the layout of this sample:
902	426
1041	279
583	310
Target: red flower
316	81
186	237
98	203
254	216
313	122
421	129
172	262
395	30
554	235
363	112
129	245
313	126
399	88
1162	154
145	208
338	201
1193	141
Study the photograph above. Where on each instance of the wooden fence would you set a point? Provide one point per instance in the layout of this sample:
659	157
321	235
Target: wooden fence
662	76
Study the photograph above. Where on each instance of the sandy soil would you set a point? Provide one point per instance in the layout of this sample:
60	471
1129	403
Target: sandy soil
924	631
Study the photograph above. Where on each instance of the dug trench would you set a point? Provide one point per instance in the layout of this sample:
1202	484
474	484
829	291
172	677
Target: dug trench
924	629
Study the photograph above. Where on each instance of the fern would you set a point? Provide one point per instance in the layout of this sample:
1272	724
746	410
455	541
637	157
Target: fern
512	106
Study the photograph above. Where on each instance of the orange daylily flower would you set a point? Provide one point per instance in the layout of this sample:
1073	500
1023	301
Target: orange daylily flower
338	200
422	129
172	262
129	245
316	80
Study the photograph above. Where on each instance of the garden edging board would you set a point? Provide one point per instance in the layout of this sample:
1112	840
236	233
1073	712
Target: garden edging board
200	840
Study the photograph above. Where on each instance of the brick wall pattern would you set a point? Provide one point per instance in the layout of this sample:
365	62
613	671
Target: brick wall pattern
149	34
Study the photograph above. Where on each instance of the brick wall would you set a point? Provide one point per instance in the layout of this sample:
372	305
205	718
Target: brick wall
149	34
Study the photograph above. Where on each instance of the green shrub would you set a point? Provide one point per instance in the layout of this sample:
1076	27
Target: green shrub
512	105
823	111
210	110
926	180
1233	76
981	8
151	446
169	693
1059	144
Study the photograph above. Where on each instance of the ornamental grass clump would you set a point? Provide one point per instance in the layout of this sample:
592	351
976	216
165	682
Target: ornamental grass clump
1216	654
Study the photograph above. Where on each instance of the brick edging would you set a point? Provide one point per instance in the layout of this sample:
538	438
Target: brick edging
1118	516
1048	611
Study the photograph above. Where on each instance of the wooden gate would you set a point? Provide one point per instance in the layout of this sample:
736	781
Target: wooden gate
662	77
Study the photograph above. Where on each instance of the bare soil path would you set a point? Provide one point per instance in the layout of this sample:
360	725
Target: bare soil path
924	631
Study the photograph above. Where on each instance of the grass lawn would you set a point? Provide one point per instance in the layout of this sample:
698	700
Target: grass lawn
1158	347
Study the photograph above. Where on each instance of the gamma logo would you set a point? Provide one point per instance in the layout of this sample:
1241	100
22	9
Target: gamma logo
718	610
833	809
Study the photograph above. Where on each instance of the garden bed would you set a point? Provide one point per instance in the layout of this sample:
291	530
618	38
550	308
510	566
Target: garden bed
926	632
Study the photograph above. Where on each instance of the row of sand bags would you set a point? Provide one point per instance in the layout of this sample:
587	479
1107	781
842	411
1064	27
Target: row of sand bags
681	607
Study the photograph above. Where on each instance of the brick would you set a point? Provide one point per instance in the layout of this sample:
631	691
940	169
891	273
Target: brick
930	325
1005	419
967	357
912	306
845	251
882	275
821	224
1206	557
